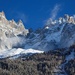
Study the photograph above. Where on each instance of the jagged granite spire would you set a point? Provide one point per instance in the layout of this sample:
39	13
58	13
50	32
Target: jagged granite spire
3	18
10	29
65	19
2	14
17	28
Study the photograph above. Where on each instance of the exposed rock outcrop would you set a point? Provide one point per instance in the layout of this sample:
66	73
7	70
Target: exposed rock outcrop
9	29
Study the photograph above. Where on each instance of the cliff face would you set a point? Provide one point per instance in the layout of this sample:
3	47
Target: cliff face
56	34
11	26
9	31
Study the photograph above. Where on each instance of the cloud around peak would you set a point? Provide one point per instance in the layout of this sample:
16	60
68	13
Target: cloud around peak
53	13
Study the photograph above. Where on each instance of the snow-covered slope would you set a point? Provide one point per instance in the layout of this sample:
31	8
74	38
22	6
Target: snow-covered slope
58	34
17	52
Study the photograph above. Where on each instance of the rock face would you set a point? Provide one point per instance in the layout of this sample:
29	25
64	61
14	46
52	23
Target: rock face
9	31
56	35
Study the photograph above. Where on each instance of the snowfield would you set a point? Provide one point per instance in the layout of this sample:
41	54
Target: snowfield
14	52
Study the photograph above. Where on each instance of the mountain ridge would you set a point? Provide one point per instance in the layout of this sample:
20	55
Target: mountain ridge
46	51
57	34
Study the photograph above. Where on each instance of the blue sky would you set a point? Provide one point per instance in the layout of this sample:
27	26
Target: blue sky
35	13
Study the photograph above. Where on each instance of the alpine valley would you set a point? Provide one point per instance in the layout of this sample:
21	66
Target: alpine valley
49	50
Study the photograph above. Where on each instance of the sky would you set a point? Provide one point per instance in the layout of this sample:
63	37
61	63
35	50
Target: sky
36	13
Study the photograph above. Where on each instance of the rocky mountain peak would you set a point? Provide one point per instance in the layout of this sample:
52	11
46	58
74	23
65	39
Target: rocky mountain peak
69	19
13	22
66	16
2	14
17	28
9	30
20	21
3	18
61	20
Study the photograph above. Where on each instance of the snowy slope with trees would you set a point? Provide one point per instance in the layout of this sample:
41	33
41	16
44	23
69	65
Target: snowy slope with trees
16	39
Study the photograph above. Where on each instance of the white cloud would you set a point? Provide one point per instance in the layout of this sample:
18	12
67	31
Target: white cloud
55	11
53	14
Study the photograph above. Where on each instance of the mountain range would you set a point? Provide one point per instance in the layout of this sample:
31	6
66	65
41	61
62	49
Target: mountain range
50	49
16	39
